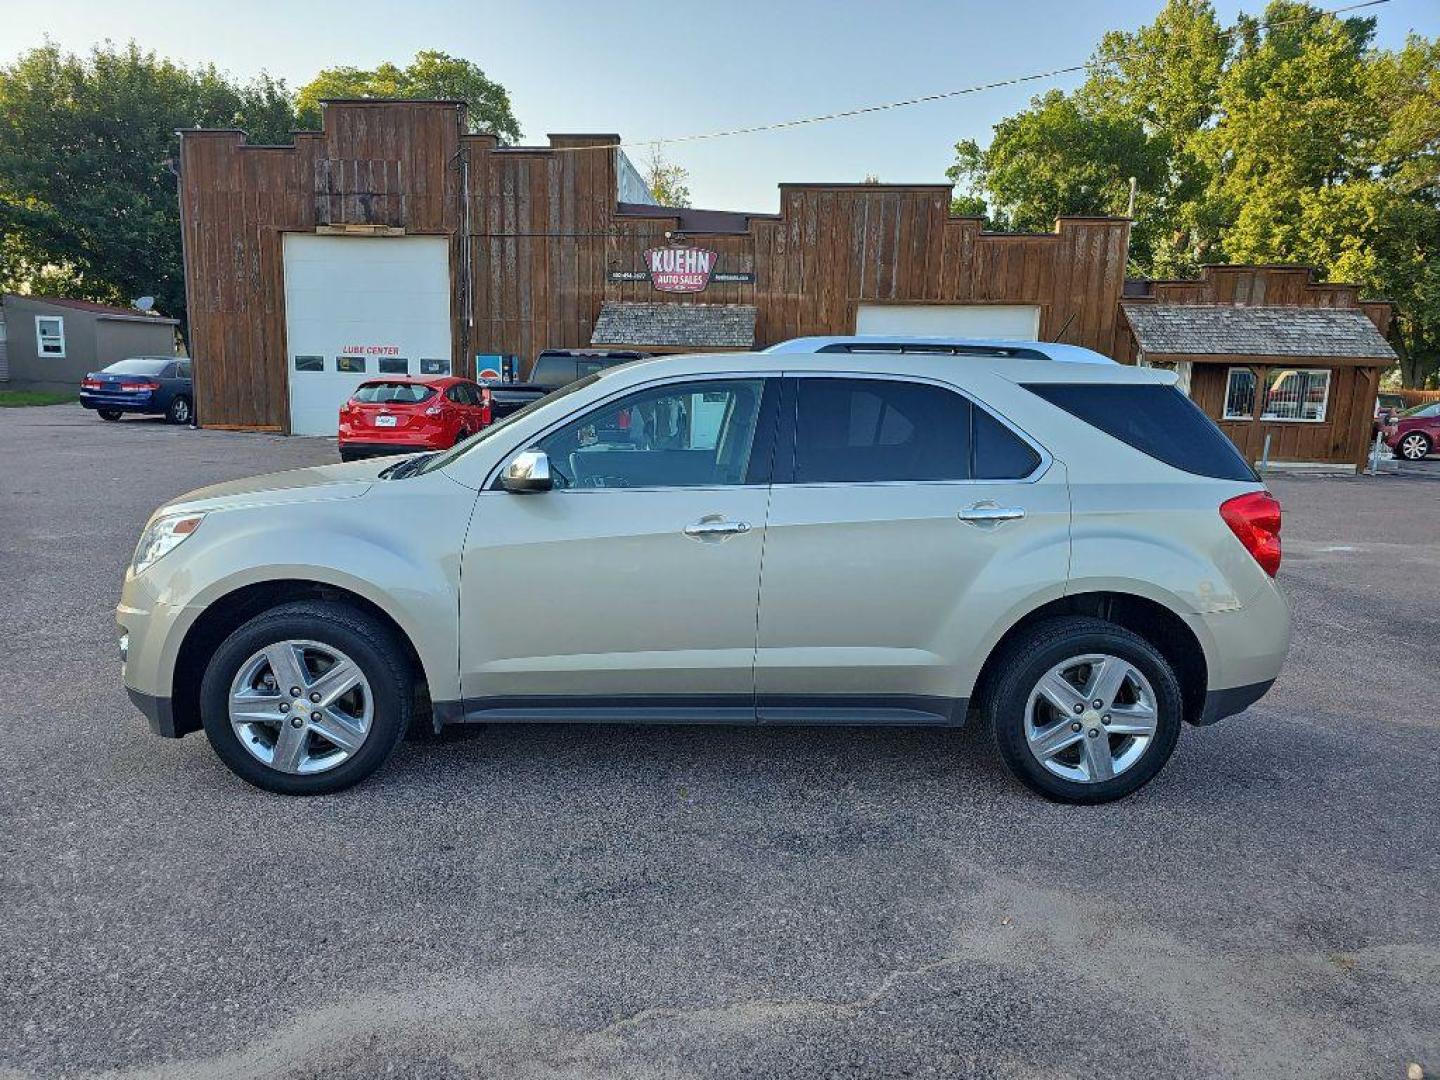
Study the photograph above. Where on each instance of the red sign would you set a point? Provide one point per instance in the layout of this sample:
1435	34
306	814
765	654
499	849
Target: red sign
679	269
489	374
371	350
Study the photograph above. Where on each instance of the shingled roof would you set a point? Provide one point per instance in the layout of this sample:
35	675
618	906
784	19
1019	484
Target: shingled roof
1226	330
686	326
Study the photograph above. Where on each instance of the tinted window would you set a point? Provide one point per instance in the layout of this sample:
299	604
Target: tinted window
393	393
1156	420
554	370
309	363
689	434
184	372
139	365
859	430
394	365
1000	454
354	365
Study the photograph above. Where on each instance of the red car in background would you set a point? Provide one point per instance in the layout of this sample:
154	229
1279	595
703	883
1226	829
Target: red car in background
402	415
1413	433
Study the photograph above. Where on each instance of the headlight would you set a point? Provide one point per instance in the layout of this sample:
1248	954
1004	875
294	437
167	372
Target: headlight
162	536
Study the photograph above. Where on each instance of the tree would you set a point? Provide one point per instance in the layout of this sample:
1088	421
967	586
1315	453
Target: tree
667	182
432	75
88	207
1288	138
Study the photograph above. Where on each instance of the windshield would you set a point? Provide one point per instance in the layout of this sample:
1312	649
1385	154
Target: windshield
137	365
393	393
1428	409
439	461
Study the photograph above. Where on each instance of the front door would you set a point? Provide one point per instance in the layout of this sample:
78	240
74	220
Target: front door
630	590
904	522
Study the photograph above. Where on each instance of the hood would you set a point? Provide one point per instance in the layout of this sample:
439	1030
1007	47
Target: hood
317	483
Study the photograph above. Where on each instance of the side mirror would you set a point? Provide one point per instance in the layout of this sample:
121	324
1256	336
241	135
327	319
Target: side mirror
530	471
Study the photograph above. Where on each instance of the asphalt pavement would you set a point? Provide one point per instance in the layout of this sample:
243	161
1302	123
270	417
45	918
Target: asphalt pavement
710	902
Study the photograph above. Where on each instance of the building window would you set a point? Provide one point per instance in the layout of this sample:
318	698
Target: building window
434	367
1296	394
350	365
50	335
1239	394
394	365
309	363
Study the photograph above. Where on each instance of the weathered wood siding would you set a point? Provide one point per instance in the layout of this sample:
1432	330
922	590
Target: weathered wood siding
543	235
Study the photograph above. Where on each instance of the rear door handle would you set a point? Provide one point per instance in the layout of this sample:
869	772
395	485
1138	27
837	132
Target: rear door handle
708	528
987	513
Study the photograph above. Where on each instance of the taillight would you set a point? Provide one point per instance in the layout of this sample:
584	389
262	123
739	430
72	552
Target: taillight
139	386
1255	520
90	384
485	396
434	410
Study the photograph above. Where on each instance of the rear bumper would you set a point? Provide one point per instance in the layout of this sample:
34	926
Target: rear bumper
131	403
372	448
1222	703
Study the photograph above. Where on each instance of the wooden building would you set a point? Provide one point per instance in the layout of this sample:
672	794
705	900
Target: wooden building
392	241
1271	354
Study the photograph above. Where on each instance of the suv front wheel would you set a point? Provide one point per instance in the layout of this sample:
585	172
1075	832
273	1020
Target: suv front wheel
307	698
1084	711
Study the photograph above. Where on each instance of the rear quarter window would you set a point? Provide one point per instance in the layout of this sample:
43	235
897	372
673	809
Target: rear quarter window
1159	421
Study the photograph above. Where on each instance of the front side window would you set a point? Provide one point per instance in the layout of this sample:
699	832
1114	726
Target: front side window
1296	394
881	430
1239	394
689	434
50	335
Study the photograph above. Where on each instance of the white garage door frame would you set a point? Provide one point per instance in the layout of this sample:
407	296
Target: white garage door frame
357	307
1009	322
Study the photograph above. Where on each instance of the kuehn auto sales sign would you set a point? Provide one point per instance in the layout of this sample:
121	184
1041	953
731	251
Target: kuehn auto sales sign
679	269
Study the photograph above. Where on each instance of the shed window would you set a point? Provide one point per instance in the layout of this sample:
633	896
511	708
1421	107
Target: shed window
50	335
1240	394
1298	394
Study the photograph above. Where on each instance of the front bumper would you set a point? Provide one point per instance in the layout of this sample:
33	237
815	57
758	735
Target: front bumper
158	712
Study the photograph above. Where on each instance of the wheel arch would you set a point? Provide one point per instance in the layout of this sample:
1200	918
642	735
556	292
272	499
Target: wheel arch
1158	624
223	614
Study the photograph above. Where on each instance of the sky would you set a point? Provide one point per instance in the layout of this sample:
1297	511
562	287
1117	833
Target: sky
648	70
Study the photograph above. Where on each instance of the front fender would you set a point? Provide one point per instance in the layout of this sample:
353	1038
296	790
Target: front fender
400	551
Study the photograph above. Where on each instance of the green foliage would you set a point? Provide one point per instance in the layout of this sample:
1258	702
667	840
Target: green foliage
432	75
1284	139
88	206
18	399
668	182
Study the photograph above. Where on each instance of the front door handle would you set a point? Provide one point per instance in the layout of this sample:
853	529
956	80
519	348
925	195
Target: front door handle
713	528
987	513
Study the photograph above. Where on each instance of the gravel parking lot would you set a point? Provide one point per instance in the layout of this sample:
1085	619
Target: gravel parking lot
676	902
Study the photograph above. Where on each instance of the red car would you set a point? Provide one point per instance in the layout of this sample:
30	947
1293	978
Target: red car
402	415
1415	432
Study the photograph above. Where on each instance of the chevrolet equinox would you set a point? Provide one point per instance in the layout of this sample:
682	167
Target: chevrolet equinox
1069	553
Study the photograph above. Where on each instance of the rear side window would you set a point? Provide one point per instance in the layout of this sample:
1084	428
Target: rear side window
873	430
1158	421
393	393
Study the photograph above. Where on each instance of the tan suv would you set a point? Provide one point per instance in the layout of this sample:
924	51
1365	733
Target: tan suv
1070	553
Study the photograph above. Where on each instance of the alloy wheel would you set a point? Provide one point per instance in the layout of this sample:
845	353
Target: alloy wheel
1414	447
1091	718
301	707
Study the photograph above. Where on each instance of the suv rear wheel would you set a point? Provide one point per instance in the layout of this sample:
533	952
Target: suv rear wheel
1084	711
308	698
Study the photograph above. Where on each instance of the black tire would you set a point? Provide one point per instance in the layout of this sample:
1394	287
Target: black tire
181	411
108	414
349	455
1050	643
373	647
1422	438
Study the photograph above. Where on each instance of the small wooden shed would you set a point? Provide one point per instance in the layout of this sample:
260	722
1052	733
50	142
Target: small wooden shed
1283	358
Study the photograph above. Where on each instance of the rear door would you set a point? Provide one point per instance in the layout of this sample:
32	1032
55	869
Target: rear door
905	520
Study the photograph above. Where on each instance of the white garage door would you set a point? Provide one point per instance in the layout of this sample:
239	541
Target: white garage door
357	307
1012	322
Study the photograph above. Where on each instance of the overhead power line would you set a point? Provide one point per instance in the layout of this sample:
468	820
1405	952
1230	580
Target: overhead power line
864	110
